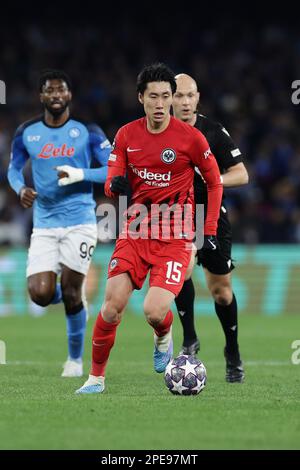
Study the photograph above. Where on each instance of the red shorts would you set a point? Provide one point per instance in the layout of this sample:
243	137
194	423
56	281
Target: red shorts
167	262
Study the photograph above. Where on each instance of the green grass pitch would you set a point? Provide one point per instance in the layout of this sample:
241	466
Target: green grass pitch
40	411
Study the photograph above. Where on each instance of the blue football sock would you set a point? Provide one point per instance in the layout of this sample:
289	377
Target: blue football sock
76	330
57	296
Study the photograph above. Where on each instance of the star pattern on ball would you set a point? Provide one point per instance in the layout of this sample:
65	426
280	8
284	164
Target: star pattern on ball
178	387
185	375
190	368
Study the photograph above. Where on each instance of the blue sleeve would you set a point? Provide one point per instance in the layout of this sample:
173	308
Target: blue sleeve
100	148
19	156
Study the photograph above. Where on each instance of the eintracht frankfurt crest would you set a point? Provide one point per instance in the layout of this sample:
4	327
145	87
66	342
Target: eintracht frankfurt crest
168	156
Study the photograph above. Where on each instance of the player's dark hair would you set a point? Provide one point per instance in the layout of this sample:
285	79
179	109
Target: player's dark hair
157	72
51	74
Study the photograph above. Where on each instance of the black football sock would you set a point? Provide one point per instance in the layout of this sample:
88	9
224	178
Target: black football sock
185	307
227	315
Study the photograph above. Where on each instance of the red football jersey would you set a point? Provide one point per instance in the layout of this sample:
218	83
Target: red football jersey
160	166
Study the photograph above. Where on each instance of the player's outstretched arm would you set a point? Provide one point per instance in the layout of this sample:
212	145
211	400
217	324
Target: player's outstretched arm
69	175
101	149
95	175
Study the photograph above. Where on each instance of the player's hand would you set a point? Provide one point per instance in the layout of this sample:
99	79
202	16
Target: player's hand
210	243
27	197
119	184
68	175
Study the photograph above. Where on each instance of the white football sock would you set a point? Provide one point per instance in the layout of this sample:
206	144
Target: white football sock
93	380
78	361
163	342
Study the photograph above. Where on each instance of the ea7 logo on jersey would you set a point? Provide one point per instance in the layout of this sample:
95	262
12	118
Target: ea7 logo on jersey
168	156
33	138
207	153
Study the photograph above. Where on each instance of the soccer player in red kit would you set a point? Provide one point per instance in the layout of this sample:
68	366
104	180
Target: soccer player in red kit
159	154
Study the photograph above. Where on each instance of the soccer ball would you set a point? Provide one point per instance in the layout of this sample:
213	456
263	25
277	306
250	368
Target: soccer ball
185	375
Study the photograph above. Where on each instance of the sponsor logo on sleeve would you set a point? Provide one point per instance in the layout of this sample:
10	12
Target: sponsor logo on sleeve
207	153
105	144
235	152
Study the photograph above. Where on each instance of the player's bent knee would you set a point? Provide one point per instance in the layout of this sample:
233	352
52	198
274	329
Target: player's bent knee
155	313
41	289
41	295
71	297
222	295
112	310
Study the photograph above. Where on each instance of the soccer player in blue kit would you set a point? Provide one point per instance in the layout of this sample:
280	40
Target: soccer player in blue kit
64	223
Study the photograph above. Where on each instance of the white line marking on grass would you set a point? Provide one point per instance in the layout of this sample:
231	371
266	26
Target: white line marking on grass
256	363
211	363
31	363
267	363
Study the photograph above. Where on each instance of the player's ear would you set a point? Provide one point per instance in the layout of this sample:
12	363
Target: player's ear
141	98
41	98
70	95
198	97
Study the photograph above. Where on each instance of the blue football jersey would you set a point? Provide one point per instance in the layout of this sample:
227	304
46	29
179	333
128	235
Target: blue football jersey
74	143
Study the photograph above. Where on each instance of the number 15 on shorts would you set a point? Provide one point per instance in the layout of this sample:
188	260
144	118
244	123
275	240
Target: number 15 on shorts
173	272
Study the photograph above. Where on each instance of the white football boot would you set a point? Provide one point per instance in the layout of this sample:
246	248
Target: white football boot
92	385
72	368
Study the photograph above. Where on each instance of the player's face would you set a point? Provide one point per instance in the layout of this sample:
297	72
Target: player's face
157	100
186	99
55	96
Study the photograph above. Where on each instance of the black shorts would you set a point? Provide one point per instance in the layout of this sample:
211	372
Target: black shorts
219	261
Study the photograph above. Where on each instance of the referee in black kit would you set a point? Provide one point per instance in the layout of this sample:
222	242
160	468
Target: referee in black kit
217	264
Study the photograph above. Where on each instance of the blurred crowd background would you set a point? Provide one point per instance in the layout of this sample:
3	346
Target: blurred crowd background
244	75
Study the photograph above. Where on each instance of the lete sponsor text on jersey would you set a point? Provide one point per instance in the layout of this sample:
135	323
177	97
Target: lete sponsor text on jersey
49	150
